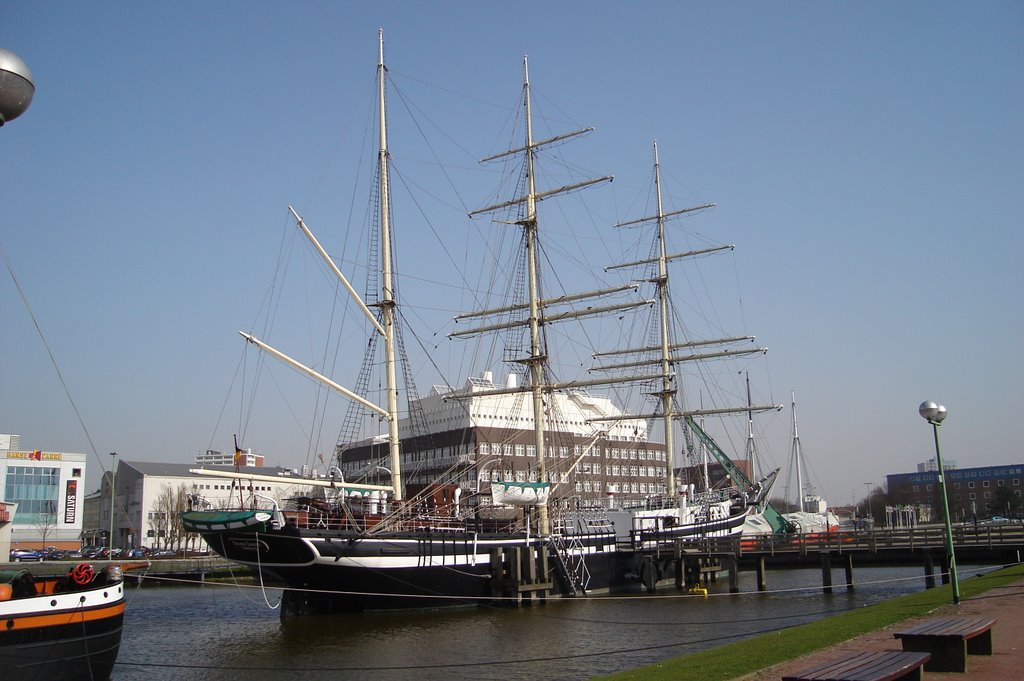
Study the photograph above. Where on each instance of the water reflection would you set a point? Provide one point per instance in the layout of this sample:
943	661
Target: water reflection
224	632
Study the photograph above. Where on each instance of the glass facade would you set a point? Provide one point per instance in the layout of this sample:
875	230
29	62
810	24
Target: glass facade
35	490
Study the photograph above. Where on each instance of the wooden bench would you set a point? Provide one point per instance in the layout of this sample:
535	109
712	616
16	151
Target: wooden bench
884	665
949	640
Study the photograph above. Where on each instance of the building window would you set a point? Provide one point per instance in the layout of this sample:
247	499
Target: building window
971	495
1000	483
987	495
35	490
985	483
970	485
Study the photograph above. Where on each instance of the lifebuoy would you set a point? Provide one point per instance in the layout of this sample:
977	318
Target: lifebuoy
82	574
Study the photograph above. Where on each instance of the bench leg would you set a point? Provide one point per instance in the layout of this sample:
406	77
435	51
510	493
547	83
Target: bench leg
949	656
980	644
916	674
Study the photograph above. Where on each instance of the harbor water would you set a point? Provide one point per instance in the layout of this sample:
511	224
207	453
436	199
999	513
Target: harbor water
218	632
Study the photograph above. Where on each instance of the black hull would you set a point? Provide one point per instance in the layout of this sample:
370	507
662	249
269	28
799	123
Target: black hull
327	571
716	528
67	652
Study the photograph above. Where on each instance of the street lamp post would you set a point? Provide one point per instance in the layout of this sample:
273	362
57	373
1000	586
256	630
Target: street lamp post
113	481
935	414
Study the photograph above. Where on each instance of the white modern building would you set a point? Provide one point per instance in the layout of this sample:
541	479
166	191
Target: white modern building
149	496
932	465
48	489
478	433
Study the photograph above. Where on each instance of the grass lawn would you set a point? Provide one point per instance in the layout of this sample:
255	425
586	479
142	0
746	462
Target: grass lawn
748	656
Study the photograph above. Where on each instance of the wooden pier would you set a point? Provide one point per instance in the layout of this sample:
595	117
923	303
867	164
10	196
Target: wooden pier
700	561
521	573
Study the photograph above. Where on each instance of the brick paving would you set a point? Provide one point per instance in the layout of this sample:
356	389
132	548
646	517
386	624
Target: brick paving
1005	603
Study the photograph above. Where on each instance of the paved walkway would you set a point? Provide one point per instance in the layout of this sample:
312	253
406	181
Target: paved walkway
1004	603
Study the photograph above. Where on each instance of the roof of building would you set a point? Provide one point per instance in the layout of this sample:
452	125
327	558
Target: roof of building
999	470
181	470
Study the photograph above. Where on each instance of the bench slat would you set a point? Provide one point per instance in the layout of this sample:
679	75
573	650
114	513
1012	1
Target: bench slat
954	627
887	665
949	640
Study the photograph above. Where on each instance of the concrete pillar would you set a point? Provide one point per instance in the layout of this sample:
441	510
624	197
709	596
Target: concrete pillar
734	574
826	572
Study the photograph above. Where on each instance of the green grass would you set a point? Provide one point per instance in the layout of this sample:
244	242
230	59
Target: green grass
745	657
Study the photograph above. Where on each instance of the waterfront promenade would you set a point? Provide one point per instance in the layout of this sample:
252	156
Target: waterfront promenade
1005	603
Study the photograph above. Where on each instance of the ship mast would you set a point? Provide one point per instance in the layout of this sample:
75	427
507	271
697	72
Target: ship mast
667	390
536	360
537	316
387	303
666	358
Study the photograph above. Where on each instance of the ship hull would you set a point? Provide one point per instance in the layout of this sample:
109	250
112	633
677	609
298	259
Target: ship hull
327	571
73	636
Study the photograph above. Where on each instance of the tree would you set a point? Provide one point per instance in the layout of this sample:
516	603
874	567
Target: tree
46	522
165	521
1005	502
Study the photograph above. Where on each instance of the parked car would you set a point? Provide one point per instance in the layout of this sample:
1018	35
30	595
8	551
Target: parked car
1000	519
134	553
53	553
22	555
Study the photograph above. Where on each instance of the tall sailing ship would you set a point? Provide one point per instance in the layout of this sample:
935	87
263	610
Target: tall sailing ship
483	488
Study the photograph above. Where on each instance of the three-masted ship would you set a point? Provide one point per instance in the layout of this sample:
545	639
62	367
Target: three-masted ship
502	530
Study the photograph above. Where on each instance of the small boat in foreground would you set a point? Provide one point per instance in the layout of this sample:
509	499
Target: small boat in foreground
64	627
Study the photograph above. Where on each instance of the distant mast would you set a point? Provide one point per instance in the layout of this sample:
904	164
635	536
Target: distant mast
797	455
751	455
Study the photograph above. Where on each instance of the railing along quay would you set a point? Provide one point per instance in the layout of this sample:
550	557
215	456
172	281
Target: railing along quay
984	543
200	568
923	545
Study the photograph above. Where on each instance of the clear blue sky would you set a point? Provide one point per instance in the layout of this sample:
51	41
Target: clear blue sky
866	158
